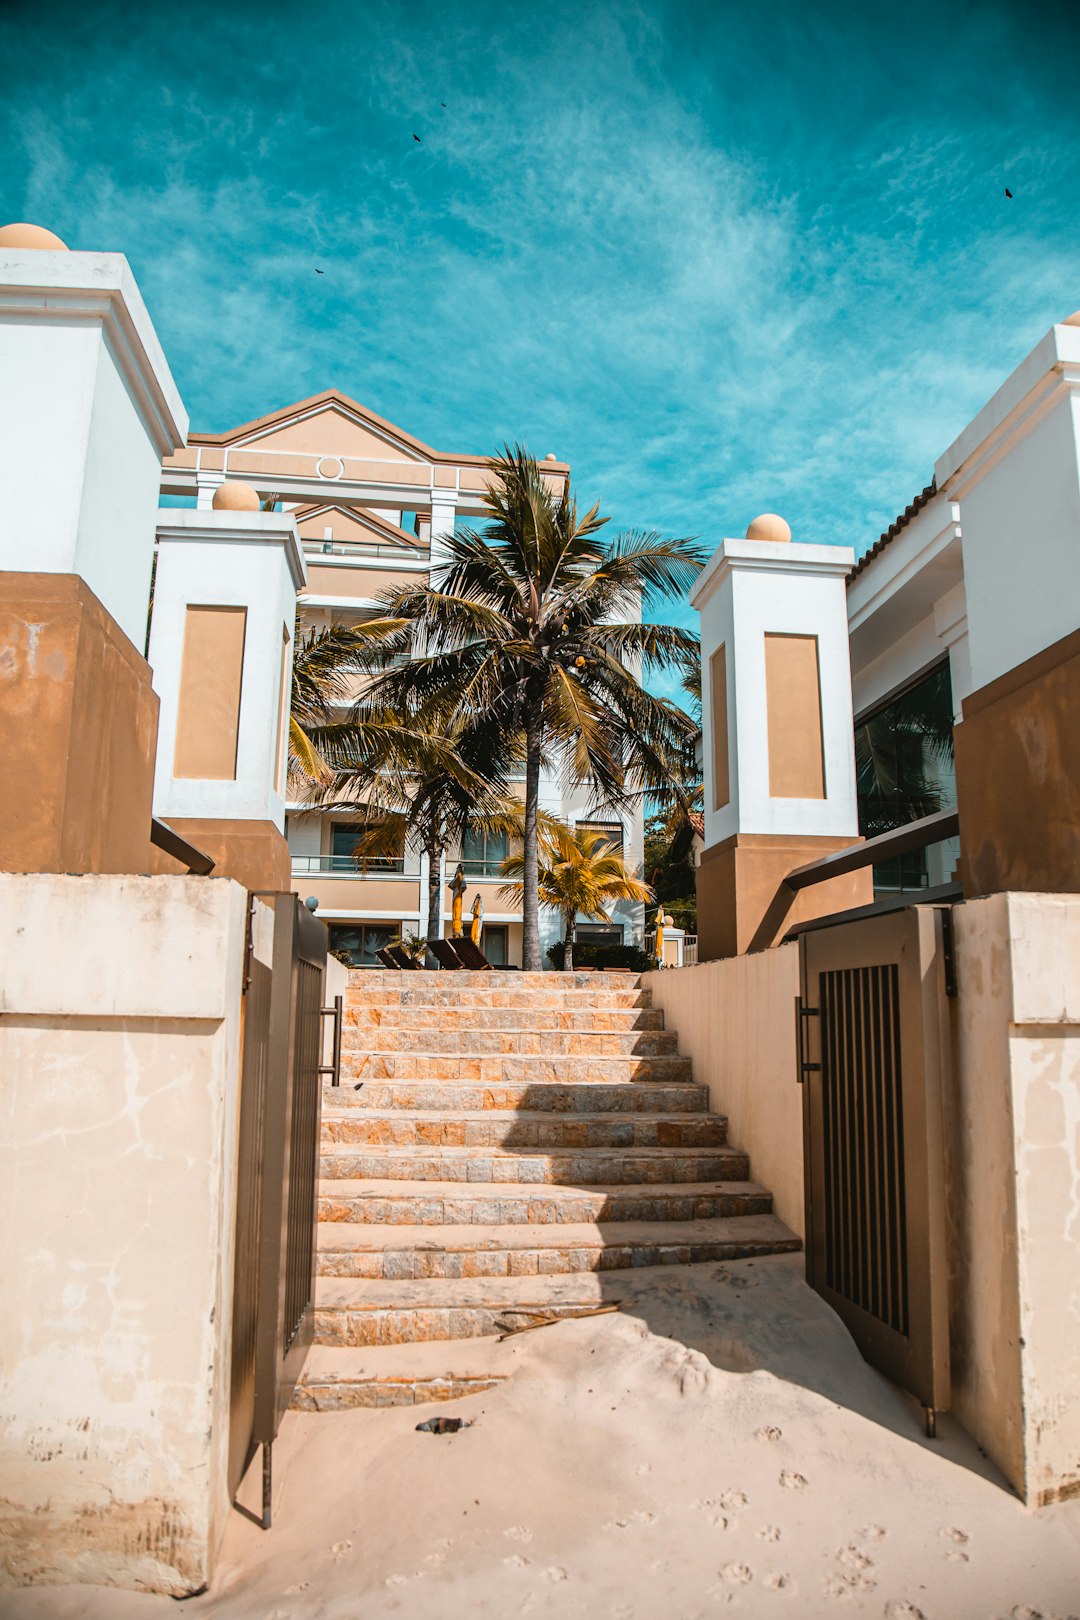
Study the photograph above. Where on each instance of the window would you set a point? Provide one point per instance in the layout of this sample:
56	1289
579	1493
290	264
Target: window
360	941
494	942
598	934
343	859
482	854
904	770
611	830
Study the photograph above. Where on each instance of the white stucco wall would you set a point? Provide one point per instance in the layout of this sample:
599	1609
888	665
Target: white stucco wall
120	1056
88	408
736	1020
1015	471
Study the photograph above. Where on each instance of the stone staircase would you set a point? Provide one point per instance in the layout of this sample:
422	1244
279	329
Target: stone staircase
499	1144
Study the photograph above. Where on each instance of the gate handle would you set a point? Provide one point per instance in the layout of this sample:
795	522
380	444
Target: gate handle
335	1012
803	1067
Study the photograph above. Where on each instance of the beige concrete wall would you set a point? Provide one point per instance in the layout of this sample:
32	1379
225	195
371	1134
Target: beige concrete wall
736	1020
119	1051
1013	1131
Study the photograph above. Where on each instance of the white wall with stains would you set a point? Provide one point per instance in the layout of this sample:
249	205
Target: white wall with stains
119	1086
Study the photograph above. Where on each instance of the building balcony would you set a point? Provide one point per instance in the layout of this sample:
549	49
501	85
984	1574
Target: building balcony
347	866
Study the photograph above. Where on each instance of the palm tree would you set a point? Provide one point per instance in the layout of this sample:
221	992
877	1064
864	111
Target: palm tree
580	874
530	625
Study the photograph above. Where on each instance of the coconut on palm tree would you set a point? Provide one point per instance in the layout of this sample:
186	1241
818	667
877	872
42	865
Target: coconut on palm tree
581	873
534	625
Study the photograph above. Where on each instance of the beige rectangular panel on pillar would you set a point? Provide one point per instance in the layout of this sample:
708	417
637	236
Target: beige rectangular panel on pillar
221	647
1015	472
88	409
779	759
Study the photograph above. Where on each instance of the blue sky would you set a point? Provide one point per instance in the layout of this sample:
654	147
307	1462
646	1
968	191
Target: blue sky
722	258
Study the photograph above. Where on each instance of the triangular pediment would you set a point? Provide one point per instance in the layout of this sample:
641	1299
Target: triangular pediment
329	424
351	523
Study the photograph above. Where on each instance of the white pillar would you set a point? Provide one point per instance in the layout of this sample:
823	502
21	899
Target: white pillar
221	647
779	761
443	514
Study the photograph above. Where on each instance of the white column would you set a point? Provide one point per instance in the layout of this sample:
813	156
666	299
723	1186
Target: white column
247	566
207	485
443	513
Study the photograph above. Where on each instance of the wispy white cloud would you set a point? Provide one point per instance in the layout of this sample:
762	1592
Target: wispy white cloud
718	269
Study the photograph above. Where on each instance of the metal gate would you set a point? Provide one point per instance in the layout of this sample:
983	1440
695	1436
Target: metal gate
277	1172
872	1056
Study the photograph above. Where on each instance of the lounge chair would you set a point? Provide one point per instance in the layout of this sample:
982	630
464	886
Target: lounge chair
444	953
470	955
402	957
386	959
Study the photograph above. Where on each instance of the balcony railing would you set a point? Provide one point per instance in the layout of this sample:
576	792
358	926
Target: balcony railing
350	866
478	869
364	548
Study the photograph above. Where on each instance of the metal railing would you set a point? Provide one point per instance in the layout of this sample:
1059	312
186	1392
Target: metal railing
164	838
913	835
353	866
365	548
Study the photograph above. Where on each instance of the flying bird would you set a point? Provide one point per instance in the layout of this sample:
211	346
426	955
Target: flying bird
418	141
442	103
1008	193
320	272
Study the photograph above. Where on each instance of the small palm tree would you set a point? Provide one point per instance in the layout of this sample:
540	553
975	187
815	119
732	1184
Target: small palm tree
531	625
420	777
581	874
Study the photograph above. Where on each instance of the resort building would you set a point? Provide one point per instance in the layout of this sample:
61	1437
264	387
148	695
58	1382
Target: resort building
372	505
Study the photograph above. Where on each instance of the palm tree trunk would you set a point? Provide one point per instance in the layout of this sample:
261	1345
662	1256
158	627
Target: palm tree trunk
568	948
434	898
530	910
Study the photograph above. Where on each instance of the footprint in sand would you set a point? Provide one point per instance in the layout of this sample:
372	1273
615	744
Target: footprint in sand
792	1481
779	1583
295	1590
555	1573
641	1517
771	1432
518	1532
737	1574
769	1532
395	1580
518	1561
341	1549
873	1532
734	1501
903	1611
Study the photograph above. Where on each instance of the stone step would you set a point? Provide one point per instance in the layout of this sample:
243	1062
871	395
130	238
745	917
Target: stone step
463	1097
583	1018
337	1377
579	1167
413	1252
537	1070
467	1041
460	981
484	1128
359	1311
426	1203
426	991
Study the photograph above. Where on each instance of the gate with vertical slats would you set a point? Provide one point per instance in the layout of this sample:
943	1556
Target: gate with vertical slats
872	1058
277	1165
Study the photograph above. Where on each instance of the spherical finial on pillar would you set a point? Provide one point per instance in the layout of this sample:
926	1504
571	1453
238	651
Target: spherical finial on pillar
235	497
22	235
768	527
551	456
